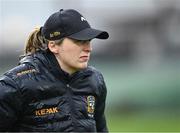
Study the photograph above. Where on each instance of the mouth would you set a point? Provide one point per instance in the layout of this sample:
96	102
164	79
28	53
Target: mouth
84	58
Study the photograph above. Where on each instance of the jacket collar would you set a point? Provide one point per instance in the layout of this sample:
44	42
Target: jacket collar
53	65
50	61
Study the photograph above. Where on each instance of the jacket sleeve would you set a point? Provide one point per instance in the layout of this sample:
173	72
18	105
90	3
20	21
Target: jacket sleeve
9	104
100	108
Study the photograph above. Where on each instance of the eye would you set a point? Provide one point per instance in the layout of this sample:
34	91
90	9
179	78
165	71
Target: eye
81	41
86	41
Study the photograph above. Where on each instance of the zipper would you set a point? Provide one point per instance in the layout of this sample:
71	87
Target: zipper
70	94
71	106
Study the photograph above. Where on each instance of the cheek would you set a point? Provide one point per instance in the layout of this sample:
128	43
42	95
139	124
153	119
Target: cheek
71	54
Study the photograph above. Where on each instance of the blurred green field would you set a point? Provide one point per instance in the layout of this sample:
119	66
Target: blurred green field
143	122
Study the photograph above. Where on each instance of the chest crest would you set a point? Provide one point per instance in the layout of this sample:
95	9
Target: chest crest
90	105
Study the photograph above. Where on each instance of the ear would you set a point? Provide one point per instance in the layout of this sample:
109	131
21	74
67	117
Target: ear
53	47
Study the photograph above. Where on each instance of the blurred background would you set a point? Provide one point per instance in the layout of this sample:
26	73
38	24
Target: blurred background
140	61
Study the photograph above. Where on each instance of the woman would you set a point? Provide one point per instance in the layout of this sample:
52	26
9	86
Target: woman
53	88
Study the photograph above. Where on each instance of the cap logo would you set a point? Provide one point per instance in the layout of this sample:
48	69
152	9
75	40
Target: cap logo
54	34
83	19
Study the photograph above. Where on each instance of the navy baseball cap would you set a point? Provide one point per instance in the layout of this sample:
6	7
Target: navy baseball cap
70	23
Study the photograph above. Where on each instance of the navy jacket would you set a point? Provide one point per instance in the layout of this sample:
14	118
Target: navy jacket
38	96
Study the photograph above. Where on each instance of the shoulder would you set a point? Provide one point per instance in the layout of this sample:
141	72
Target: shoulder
98	75
94	70
11	80
19	71
8	85
99	81
11	77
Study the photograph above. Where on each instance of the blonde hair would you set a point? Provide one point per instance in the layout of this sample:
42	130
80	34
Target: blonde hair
35	42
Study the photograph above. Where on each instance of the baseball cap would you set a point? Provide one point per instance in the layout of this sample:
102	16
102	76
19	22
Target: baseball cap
70	23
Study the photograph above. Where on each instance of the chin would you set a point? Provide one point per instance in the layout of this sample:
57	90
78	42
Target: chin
83	65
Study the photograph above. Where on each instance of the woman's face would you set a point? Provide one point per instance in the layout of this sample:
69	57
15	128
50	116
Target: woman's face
73	55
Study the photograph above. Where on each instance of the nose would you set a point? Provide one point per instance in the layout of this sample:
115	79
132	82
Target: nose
87	47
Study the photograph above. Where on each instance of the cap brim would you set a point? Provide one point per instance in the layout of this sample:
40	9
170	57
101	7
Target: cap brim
89	33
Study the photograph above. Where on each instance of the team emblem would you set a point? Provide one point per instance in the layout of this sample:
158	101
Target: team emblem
90	105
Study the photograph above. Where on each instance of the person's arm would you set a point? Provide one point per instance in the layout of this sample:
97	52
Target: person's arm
100	108
9	104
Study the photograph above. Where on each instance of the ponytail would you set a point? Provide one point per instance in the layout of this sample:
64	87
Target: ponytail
35	42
